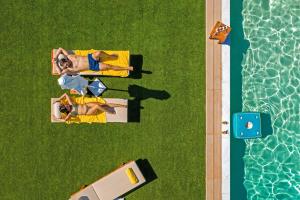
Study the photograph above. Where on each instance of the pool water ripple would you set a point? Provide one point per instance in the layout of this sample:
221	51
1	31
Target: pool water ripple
271	84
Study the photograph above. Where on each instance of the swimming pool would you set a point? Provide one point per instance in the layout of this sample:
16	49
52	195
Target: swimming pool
265	77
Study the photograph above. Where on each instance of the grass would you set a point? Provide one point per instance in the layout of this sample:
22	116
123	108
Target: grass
41	160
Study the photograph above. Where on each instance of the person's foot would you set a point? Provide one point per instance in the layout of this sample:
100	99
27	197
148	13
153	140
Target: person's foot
114	56
122	106
225	132
111	111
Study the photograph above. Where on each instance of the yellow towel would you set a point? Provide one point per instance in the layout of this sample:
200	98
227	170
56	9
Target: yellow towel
99	118
122	61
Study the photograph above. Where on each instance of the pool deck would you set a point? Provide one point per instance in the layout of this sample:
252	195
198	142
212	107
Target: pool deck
217	105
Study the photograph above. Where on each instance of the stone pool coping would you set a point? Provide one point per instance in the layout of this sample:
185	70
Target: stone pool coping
217	105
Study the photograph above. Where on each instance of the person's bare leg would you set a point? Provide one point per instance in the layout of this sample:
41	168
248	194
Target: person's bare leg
101	55
93	110
100	107
114	67
116	105
112	105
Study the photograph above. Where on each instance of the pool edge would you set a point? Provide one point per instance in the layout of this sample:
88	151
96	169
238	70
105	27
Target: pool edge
213	105
217	105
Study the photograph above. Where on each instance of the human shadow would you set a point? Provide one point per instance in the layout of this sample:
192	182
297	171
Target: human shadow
266	125
138	94
147	171
142	93
137	62
238	47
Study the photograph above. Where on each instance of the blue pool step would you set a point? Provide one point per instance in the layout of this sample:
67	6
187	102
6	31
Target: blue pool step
246	125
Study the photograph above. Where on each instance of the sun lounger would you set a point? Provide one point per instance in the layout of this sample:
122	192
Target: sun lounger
119	182
123	60
120	116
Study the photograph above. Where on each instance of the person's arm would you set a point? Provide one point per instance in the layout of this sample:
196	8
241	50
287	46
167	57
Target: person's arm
58	69
55	57
59	51
69	71
60	98
64	52
64	96
57	119
67	117
69	99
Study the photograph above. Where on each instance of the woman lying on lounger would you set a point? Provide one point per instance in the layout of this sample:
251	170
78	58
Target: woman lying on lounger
72	64
71	109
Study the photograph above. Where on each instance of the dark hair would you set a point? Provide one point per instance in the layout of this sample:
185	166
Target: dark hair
62	61
63	109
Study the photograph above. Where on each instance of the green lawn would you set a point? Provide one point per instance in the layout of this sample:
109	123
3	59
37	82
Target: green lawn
41	160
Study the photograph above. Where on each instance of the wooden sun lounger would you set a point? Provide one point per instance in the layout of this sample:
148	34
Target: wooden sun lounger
113	185
121	115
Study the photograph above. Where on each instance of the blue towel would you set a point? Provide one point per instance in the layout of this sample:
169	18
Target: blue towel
73	82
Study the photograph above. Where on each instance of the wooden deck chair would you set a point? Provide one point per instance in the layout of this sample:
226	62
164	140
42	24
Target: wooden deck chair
123	60
119	182
120	116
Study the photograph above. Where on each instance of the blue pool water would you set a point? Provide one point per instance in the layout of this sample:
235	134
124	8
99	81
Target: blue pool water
271	84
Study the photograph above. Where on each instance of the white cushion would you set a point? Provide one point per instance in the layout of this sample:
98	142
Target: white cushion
56	111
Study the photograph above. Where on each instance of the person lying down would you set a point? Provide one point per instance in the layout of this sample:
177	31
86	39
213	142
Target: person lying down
73	64
72	110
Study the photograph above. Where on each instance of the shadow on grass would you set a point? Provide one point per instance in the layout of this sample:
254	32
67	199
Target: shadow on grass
238	47
142	93
137	62
139	94
146	170
134	110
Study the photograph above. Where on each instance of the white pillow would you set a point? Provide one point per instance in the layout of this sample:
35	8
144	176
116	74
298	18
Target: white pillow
56	111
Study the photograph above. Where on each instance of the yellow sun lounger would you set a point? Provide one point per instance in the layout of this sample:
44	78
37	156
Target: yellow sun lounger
123	60
119	116
119	182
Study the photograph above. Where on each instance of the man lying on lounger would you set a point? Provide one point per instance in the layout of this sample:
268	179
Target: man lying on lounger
72	64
